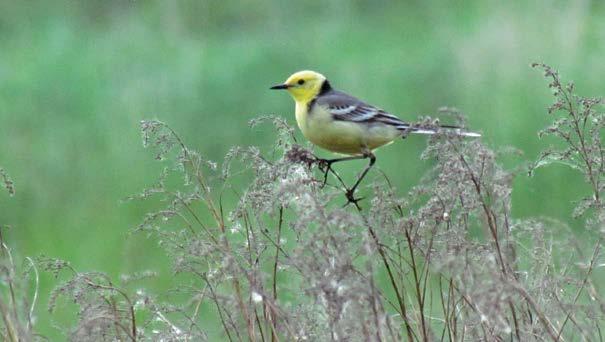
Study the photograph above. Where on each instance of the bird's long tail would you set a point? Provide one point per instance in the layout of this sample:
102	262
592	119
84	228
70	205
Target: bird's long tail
447	128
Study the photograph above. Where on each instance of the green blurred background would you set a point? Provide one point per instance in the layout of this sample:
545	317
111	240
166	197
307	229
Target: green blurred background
76	77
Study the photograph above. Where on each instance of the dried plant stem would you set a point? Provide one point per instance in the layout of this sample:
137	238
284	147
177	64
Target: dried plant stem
219	220
132	333
420	296
591	266
275	265
219	309
13	335
548	326
400	300
35	298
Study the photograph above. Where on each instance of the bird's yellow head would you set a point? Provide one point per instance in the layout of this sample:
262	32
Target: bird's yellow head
304	85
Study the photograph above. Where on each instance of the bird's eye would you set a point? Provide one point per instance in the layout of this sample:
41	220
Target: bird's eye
301	82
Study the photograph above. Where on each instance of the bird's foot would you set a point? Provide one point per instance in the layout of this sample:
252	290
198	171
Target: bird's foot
350	194
324	166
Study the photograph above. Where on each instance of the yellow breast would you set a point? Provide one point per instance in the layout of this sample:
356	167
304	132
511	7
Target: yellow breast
344	137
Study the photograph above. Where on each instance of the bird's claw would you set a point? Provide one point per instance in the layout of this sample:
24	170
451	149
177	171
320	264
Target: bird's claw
350	194
324	166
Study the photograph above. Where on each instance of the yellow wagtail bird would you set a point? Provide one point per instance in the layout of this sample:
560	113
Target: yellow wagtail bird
341	123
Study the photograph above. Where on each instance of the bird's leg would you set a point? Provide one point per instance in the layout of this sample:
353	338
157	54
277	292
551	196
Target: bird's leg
325	165
351	192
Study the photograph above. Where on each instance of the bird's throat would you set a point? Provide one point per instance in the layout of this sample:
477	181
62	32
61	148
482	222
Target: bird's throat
302	114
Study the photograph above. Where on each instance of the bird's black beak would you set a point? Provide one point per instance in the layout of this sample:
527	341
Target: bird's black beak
281	86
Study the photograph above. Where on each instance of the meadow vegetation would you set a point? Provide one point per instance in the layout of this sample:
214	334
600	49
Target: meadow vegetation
77	77
286	261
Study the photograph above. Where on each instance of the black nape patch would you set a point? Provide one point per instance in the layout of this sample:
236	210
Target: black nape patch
325	87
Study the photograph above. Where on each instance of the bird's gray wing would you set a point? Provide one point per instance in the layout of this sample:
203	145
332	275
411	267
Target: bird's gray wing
344	107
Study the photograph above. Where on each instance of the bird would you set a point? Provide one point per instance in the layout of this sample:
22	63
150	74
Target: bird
341	123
